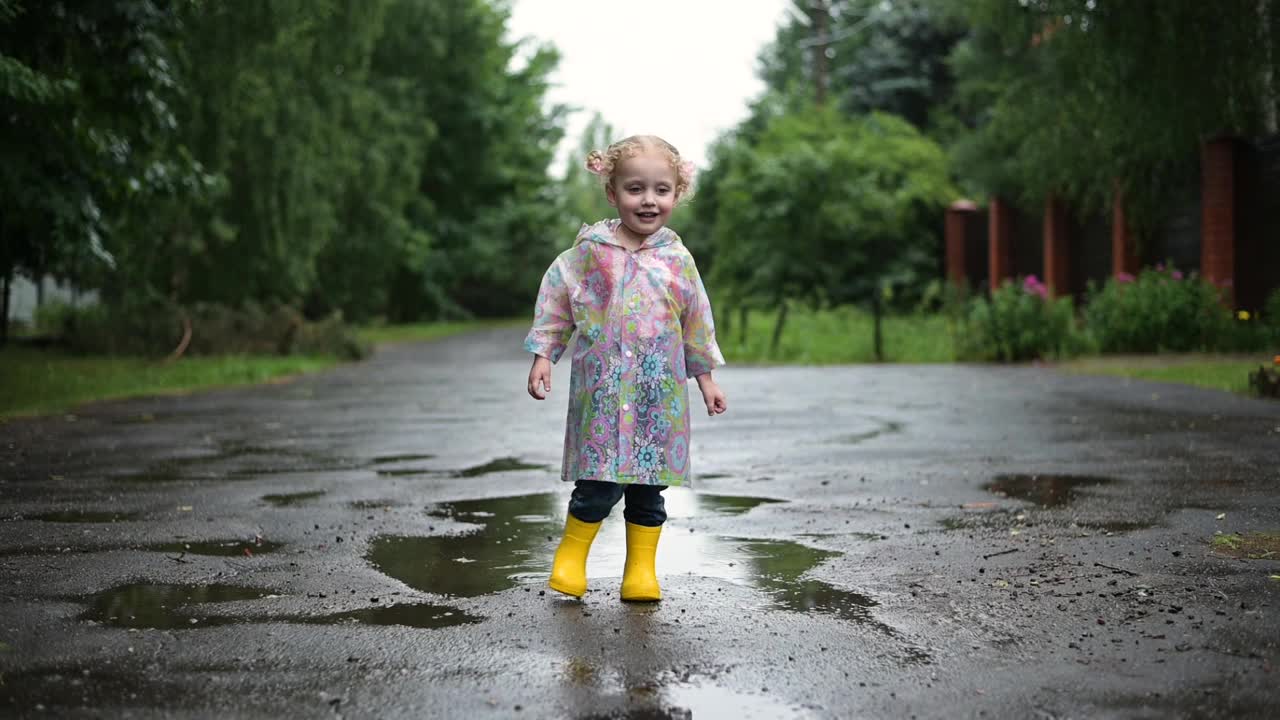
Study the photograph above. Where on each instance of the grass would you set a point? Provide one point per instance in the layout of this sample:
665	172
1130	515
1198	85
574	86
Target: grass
1217	372
389	334
835	336
39	381
1253	546
49	381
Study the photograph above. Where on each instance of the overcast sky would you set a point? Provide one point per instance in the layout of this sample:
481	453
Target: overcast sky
681	69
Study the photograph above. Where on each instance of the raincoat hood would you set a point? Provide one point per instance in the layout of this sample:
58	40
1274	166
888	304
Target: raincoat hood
605	232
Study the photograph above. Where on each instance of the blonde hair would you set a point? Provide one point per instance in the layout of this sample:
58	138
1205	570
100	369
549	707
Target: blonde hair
605	164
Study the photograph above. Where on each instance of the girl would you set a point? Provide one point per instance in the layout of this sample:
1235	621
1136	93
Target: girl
632	292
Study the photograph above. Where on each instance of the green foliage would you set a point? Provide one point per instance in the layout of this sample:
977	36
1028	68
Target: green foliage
585	201
1071	96
1018	322
828	210
1271	319
156	328
375	157
1160	310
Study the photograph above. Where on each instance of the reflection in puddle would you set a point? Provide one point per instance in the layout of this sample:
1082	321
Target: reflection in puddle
85	516
238	461
166	607
885	427
685	701
385	459
404	472
292	498
218	548
514	539
778	567
423	615
731	505
143	605
372	504
506	464
1044	490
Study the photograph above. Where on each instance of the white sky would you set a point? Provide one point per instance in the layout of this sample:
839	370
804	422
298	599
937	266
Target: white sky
681	69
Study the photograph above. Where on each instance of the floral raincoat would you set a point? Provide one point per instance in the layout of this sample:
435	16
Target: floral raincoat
644	327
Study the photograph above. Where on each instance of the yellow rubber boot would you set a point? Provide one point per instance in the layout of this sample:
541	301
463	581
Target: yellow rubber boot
569	569
639	578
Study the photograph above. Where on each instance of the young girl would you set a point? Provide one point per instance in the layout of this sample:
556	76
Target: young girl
632	292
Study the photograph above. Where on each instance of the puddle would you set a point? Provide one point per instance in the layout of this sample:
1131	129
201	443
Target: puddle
732	505
885	427
164	607
422	615
685	701
514	538
402	472
85	516
218	548
1048	491
169	607
778	567
506	464
238	461
386	459
292	498
375	504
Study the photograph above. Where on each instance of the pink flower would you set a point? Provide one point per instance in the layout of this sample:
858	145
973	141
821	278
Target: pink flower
1033	286
1124	277
595	165
1177	274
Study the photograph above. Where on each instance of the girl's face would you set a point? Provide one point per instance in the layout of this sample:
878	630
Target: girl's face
644	191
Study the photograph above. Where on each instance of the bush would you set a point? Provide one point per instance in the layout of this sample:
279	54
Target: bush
1271	319
155	328
1160	310
1019	322
51	318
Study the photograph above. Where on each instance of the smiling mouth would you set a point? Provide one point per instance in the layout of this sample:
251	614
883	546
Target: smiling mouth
647	215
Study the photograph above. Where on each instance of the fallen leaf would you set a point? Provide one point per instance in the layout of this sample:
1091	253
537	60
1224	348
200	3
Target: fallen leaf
1276	578
1220	516
977	505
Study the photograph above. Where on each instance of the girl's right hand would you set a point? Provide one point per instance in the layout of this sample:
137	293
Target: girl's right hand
540	377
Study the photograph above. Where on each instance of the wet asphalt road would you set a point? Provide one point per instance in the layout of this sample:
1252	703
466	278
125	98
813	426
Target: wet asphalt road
863	542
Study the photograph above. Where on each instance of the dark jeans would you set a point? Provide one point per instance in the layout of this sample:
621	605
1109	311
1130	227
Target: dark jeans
592	500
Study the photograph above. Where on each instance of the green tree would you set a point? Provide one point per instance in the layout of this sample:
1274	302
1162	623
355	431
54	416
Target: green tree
829	210
85	92
1072	96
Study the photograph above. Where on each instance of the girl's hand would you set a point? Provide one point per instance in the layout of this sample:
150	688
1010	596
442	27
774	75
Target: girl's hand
712	395
539	377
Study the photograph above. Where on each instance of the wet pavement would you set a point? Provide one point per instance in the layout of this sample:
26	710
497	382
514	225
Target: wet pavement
952	541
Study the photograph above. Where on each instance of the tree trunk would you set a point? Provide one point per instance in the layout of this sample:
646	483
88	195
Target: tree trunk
777	329
877	311
725	326
1268	68
742	325
4	307
819	17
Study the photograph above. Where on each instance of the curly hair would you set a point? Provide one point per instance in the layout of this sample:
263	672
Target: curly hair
605	164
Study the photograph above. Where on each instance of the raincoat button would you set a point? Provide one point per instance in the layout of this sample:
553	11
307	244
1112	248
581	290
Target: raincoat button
626	406
628	353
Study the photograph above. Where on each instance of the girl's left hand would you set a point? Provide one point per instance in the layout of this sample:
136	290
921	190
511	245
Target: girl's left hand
713	396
